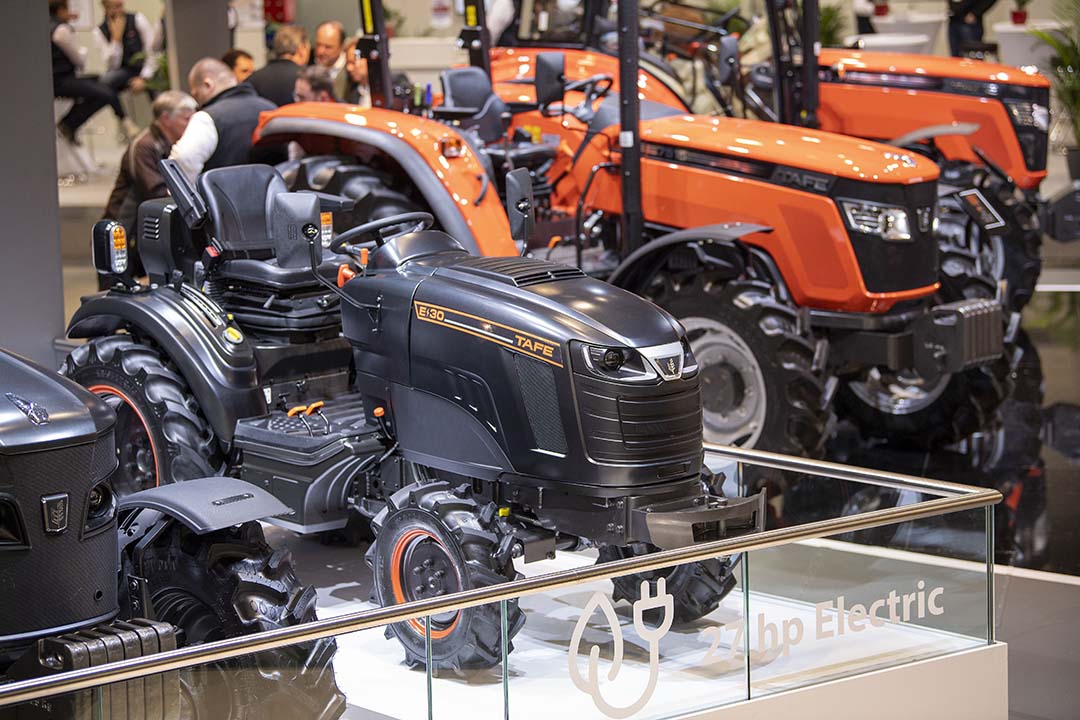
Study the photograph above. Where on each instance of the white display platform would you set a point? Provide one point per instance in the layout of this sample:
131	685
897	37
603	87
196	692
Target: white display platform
891	42
1018	47
371	671
912	23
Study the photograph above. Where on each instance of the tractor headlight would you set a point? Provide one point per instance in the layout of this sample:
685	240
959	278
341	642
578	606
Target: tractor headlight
1029	114
618	363
100	509
886	221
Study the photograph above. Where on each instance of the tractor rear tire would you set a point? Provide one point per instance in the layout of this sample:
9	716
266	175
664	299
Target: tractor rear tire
161	435
430	541
231	583
697	588
756	362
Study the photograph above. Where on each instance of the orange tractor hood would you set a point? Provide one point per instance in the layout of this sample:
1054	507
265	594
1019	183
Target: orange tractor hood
513	68
929	65
837	155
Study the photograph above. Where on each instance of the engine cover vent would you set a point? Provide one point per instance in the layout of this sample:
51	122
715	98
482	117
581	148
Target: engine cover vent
518	271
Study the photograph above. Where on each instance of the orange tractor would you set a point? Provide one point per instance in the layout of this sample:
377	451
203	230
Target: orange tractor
803	264
984	124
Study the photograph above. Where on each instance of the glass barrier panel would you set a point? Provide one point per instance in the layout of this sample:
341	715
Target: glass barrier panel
656	645
467	660
830	608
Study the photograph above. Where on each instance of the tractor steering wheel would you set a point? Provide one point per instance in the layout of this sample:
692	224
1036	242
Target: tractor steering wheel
346	243
594	87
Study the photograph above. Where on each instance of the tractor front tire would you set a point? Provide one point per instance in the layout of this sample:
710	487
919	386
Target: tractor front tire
231	583
161	435
430	541
696	588
759	384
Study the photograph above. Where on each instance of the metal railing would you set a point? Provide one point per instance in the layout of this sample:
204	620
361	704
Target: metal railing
955	498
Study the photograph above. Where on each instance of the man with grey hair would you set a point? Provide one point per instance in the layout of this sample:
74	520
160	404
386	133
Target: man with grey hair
219	134
330	43
139	177
291	50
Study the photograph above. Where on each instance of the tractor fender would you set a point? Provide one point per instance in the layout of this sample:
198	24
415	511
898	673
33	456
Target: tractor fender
207	504
932	131
221	374
420	173
635	271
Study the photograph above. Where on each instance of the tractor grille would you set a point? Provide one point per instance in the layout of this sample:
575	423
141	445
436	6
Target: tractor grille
537	381
89	461
893	266
629	424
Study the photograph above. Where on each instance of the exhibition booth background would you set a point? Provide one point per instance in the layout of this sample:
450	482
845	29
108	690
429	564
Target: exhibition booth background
47	268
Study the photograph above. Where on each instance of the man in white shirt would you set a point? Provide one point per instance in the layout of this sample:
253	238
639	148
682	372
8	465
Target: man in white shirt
127	43
68	60
219	134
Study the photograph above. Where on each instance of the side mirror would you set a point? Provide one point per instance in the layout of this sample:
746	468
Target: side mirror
728	58
550	78
519	206
111	251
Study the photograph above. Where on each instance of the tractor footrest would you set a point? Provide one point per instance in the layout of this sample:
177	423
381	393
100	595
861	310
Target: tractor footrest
154	697
703	519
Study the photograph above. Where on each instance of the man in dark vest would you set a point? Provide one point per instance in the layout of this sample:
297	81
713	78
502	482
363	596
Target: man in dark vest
68	58
275	80
219	134
126	42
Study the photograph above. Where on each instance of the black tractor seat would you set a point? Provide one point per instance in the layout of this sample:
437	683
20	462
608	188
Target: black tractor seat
469	88
262	273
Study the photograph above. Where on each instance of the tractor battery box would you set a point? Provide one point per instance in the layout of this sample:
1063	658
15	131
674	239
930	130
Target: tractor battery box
309	459
154	697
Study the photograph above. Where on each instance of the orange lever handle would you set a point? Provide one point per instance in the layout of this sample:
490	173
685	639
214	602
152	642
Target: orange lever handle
313	407
297	410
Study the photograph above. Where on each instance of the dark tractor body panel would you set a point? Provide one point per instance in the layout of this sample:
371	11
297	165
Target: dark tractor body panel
194	333
40	409
54	451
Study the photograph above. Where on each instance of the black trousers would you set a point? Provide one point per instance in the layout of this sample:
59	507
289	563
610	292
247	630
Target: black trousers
89	96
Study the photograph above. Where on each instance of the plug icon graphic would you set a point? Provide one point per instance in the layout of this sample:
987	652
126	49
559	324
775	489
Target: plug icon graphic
651	635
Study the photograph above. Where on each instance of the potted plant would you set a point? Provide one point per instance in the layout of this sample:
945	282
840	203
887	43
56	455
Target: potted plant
831	26
1019	12
1066	74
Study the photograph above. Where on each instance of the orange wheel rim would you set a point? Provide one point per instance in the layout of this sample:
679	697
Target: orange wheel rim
397	588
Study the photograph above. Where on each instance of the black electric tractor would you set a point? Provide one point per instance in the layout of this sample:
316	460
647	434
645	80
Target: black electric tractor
471	410
88	577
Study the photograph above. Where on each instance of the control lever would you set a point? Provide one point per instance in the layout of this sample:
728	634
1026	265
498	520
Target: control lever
316	408
301	412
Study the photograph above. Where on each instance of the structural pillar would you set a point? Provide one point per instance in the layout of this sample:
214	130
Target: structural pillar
195	29
31	280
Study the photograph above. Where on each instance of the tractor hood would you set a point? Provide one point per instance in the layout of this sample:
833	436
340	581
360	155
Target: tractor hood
40	409
557	302
757	148
927	66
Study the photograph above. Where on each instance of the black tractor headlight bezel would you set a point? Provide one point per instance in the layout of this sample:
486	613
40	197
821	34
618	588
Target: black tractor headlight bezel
615	363
12	528
100	509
